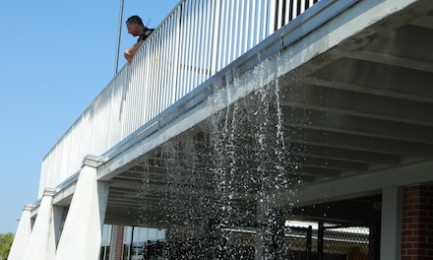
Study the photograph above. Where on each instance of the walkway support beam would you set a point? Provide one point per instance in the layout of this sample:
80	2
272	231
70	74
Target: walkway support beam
81	236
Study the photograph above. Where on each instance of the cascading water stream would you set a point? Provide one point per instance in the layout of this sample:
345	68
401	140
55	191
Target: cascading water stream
224	181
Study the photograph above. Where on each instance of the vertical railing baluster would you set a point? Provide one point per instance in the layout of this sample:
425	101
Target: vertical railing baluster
215	36
241	21
275	17
288	11
235	38
189	46
259	22
206	42
294	9
198	46
181	46
223	35
177	46
302	6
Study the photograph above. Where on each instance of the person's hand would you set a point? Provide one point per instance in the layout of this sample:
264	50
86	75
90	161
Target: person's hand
128	56
129	53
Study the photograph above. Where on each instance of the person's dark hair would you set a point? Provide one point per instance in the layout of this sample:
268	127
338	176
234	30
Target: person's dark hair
135	19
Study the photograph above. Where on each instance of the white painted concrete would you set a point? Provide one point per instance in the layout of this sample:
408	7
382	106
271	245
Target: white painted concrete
42	244
81	236
22	235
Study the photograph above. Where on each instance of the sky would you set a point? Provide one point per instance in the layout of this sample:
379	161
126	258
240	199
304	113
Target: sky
55	57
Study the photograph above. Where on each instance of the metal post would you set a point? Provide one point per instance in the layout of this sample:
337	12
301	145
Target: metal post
131	245
320	241
119	33
309	241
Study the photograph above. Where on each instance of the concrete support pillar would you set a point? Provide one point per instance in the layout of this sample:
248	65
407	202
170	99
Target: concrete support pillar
81	236
22	235
392	199
42	244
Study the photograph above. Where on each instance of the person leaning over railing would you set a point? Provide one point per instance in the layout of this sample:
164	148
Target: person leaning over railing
135	27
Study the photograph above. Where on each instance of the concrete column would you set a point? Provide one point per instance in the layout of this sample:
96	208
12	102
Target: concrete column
81	236
42	244
390	245
22	235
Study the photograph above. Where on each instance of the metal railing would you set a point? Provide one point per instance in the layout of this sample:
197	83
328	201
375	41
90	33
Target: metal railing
196	40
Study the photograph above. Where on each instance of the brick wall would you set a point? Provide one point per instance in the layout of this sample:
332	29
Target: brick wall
417	229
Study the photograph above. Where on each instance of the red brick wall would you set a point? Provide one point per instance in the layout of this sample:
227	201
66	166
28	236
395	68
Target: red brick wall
417	229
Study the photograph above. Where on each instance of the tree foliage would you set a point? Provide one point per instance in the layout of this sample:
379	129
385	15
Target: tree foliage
5	244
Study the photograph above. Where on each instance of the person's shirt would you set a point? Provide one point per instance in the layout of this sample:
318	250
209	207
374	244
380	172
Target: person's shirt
144	34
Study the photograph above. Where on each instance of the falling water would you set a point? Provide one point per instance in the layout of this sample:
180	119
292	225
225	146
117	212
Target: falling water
223	181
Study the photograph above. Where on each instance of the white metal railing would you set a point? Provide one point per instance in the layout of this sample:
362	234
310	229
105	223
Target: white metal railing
199	38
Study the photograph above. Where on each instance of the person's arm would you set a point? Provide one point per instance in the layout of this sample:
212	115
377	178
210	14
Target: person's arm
129	53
